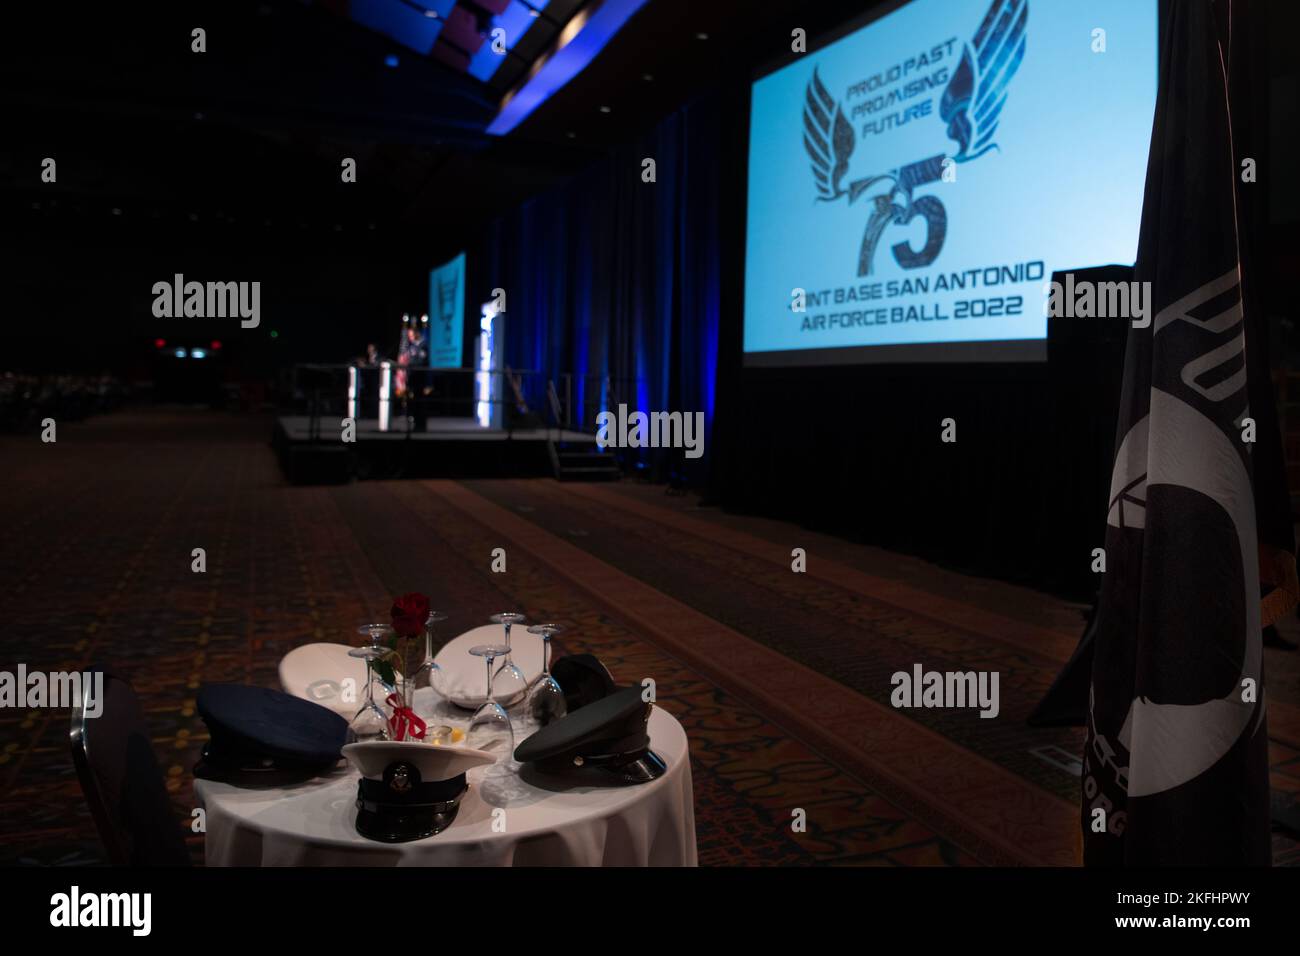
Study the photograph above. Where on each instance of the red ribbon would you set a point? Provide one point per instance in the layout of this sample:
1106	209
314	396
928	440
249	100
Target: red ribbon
405	722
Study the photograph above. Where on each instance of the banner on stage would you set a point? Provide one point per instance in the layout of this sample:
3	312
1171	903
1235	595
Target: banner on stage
447	314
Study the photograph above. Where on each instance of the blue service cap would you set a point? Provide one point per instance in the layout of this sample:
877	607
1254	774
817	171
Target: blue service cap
258	733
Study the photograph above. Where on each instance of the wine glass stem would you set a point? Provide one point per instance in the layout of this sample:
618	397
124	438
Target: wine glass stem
428	643
546	655
489	678
507	642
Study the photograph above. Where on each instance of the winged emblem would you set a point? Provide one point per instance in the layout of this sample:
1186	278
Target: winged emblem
973	101
970	106
827	140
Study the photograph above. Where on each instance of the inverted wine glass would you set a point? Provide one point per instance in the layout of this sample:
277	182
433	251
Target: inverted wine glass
510	680
490	726
370	722
428	674
546	700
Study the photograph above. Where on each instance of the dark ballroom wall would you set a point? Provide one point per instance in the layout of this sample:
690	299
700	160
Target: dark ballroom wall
614	276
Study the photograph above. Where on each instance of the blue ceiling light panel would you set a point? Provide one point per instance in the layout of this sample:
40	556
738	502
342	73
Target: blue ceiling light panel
523	51
565	63
516	20
403	23
462	37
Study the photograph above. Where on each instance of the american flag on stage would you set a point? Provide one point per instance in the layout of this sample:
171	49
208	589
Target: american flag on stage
1175	756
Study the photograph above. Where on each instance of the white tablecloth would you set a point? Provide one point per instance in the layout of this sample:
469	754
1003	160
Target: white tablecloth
548	821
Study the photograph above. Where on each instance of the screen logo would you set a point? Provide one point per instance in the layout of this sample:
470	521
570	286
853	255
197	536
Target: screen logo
970	106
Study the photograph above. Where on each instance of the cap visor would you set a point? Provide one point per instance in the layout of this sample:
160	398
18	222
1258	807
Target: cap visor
643	768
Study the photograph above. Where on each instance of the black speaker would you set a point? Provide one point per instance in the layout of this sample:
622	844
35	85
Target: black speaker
1086	366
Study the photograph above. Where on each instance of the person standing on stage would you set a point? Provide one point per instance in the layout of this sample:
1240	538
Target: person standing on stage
368	382
413	357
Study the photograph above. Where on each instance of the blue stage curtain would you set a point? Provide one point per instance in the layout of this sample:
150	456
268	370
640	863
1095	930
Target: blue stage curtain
611	277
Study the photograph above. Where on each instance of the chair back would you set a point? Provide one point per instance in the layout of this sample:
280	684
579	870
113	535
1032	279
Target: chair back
122	779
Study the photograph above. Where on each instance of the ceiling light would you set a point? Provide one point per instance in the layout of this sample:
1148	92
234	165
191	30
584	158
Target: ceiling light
701	36
431	14
605	109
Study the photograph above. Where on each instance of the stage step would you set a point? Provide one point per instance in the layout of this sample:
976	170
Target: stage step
582	461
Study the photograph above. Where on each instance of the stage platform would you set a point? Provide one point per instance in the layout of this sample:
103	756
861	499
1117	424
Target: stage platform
311	450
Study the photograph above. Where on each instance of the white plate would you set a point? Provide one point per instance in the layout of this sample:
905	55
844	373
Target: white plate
464	676
316	672
371	757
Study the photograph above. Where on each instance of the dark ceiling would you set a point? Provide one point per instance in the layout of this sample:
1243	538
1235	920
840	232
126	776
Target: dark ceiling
228	161
250	135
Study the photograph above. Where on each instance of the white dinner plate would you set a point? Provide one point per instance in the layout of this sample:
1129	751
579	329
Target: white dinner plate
316	672
464	676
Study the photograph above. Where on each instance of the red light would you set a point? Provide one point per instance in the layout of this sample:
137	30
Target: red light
216	344
160	343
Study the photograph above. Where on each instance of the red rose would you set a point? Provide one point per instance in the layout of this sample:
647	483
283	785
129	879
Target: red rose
410	612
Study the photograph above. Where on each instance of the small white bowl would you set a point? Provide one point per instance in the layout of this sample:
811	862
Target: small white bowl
434	762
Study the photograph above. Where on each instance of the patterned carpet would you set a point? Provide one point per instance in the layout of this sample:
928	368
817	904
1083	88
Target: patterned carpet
780	679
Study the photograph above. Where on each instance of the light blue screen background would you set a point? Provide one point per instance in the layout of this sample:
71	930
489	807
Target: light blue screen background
1064	187
447	313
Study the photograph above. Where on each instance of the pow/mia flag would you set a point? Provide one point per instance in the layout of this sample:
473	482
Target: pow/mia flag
1175	759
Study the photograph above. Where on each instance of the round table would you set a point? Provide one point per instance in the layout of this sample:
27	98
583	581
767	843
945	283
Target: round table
565	820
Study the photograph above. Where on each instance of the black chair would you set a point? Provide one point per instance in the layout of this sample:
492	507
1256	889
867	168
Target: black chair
123	781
